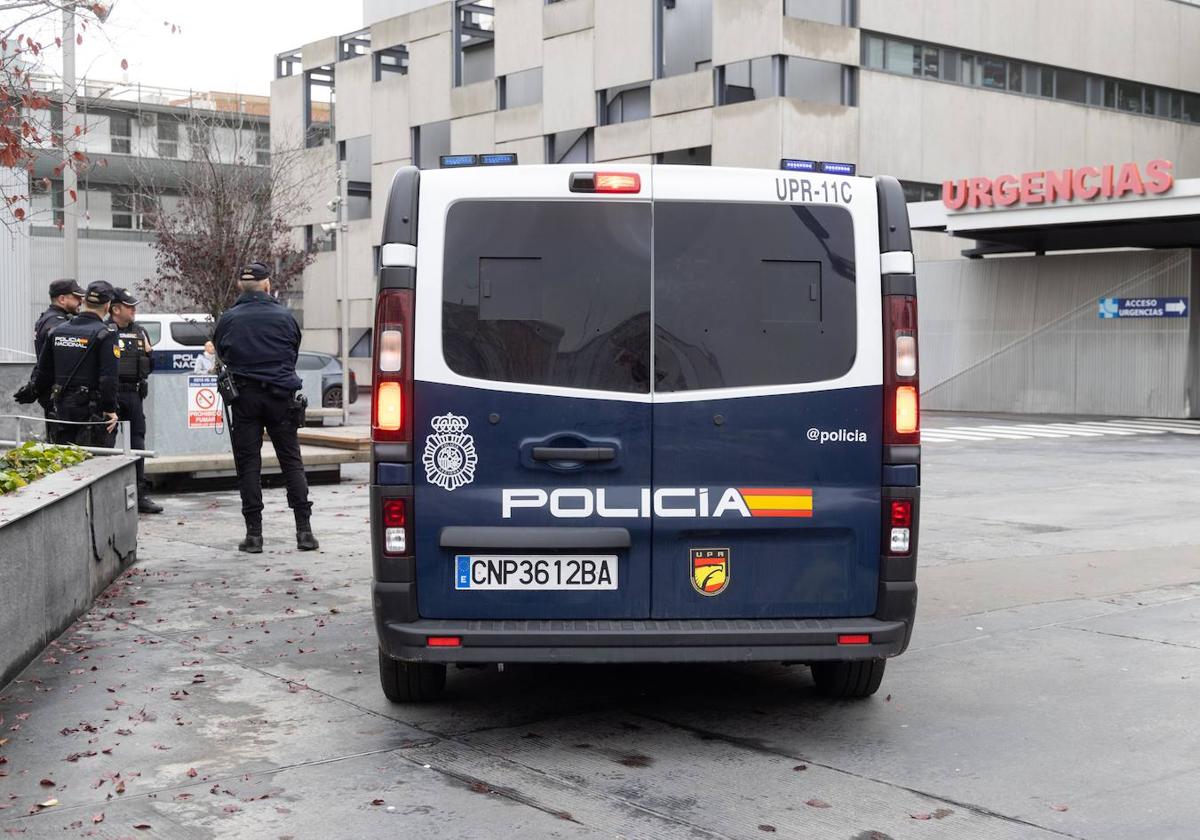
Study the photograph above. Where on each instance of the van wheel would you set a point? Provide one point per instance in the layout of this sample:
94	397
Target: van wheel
411	682
848	680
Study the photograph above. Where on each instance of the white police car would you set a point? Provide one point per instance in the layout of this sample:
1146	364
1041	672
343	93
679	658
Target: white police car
631	413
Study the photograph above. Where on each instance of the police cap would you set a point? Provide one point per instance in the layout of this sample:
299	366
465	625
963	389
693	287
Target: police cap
99	292
65	287
124	296
256	271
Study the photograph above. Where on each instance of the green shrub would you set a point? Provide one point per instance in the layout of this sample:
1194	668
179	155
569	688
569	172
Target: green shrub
30	461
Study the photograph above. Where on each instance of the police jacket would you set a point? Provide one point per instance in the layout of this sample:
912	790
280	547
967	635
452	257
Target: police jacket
46	322
133	367
82	353
257	338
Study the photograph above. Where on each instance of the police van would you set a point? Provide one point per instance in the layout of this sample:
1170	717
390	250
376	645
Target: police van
177	339
633	413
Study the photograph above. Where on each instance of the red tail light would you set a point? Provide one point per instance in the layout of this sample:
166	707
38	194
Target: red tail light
393	371
902	513
902	411
443	641
618	182
854	639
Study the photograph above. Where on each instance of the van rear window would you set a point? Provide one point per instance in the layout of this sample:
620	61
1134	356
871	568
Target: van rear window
548	293
752	294
191	333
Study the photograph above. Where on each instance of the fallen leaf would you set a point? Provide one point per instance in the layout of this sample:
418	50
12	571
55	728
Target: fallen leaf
376	801
46	783
98	818
49	803
142	826
767	828
818	803
800	767
191	772
921	816
1059	807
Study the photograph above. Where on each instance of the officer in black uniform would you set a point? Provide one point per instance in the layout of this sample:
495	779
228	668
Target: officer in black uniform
257	341
65	298
78	370
133	373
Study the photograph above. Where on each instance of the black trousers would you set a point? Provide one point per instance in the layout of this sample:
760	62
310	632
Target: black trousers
257	409
79	406
130	407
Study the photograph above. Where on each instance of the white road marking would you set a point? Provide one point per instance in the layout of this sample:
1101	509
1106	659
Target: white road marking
1083	428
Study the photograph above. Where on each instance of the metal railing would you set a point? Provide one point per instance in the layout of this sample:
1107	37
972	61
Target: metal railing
123	429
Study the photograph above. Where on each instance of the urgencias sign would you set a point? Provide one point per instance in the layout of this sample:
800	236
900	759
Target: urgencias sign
1048	186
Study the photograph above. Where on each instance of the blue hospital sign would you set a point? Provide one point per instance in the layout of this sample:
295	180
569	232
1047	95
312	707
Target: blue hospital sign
1172	307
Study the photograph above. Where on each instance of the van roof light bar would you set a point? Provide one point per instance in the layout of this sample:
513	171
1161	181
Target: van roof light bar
828	167
489	159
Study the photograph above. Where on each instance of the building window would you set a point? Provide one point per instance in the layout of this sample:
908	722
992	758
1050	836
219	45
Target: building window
474	41
354	45
122	209
47	194
355	157
746	81
920	191
820	81
684	36
391	60
836	12
429	143
288	64
625	104
995	73
167	134
318	106
200	139
120	134
699	156
317	241
571	146
517	90
262	145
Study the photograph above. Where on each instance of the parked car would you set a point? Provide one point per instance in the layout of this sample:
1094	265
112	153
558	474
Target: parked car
331	377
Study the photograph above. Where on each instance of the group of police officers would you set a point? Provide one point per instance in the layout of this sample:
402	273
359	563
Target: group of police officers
94	362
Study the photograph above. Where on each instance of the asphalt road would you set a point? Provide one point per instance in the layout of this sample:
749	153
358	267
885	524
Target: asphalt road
1050	691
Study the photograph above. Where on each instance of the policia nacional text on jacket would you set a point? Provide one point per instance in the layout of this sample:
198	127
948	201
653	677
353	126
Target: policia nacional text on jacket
258	341
77	369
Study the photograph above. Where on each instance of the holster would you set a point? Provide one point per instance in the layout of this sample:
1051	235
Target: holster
298	408
226	387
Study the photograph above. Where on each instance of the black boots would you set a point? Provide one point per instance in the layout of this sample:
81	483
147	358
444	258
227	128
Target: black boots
148	505
253	544
305	541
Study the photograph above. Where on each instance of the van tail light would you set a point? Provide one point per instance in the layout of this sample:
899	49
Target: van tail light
901	520
391	406
395	527
901	386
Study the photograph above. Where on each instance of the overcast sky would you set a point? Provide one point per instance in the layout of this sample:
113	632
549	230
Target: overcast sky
224	45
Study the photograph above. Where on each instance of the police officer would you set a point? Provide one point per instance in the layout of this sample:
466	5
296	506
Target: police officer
258	340
133	371
65	298
78	370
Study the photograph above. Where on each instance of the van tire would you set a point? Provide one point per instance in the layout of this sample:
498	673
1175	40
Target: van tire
848	680
411	682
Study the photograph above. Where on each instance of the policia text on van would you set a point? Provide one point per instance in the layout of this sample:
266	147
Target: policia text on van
646	414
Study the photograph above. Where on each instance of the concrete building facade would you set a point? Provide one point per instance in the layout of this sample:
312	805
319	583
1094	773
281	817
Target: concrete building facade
925	90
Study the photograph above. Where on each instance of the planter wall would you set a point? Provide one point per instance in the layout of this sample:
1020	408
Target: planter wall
63	539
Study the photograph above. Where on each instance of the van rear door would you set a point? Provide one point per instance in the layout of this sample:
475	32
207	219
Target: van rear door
532	397
768	396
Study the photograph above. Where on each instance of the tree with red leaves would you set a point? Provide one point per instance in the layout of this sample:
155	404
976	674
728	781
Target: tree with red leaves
26	126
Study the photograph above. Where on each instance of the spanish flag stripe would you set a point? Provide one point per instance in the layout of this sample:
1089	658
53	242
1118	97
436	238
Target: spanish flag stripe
779	502
799	514
775	491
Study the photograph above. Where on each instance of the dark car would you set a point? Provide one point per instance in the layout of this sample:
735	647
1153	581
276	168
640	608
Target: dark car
331	377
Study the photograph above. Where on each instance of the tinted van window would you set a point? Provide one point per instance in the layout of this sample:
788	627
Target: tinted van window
548	293
752	294
191	333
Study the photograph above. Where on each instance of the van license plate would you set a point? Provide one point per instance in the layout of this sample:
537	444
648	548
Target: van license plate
509	571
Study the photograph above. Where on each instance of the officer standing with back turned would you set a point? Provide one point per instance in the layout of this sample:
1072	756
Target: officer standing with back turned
257	341
78	370
133	374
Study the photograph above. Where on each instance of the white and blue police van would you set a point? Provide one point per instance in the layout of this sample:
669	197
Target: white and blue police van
176	339
634	413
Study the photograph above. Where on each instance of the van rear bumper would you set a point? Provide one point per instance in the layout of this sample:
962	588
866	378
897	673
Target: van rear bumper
612	641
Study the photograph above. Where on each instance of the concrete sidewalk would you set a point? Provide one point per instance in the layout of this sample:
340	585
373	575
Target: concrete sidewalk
1050	691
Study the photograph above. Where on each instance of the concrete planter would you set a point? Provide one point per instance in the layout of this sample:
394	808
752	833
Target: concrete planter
63	539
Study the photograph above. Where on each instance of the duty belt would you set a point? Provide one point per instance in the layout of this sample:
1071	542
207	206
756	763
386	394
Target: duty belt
128	386
72	390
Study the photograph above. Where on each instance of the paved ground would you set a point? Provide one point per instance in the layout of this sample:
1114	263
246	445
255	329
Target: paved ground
1051	689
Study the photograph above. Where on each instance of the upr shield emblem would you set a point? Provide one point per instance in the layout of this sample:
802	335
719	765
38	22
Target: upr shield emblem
450	458
710	570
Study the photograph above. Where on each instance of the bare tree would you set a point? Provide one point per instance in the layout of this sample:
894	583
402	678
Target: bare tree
219	210
26	122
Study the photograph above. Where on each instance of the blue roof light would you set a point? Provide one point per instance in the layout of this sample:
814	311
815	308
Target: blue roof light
498	159
798	165
454	161
839	168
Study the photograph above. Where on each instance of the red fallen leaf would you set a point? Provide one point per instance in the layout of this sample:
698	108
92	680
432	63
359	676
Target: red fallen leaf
46	783
1059	807
767	828
191	773
140	602
98	818
921	816
818	803
124	64
120	788
376	801
125	732
231	809
142	826
800	767
19	214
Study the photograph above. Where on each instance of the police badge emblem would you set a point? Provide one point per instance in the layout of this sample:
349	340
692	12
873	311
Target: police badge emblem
449	456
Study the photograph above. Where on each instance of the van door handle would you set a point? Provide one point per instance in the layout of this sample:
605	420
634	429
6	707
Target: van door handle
591	454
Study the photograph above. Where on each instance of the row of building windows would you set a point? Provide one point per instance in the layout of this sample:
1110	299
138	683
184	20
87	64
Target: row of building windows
965	67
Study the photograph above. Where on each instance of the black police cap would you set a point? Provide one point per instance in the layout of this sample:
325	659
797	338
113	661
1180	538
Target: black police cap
124	296
256	271
99	292
65	287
